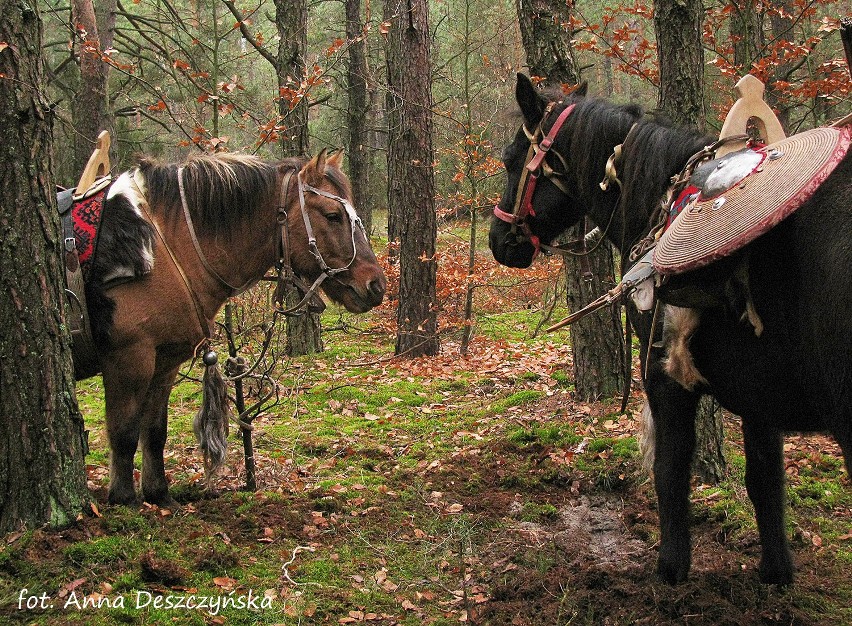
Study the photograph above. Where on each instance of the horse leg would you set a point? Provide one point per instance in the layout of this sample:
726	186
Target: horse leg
155	489
127	375
765	487
673	409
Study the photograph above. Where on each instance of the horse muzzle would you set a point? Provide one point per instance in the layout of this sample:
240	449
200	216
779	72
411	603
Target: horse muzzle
512	249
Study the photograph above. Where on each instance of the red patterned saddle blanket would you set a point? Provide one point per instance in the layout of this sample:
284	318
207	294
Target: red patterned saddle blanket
86	214
733	200
82	216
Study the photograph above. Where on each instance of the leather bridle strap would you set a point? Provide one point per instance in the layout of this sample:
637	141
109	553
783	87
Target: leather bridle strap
534	166
286	276
203	324
285	271
354	221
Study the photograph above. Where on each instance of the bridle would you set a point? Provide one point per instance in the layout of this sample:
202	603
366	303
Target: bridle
536	166
285	274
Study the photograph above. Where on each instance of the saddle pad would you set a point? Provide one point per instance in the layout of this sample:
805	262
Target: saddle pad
708	230
87	220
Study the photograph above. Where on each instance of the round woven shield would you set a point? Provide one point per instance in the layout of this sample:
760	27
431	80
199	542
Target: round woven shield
708	230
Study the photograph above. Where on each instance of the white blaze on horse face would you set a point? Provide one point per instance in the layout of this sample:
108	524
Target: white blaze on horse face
131	185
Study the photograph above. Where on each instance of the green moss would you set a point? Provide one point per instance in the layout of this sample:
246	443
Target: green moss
100	551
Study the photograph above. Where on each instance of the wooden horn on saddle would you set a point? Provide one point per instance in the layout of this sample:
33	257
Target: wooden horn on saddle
98	164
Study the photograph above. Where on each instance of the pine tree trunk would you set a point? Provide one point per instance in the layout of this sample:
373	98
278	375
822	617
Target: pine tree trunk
291	19
42	475
411	188
304	332
596	340
546	37
356	81
678	27
91	107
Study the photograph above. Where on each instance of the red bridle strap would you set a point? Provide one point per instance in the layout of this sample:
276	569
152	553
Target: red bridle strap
545	144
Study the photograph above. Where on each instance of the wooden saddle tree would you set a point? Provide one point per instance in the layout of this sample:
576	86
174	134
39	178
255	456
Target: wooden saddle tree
749	107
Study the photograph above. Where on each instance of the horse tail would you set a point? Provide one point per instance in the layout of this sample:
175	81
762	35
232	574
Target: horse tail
211	423
646	438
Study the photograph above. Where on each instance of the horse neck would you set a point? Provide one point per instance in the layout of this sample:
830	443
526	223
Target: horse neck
651	155
249	252
227	262
597	129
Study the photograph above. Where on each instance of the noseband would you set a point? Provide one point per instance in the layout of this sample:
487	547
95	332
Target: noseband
286	275
535	167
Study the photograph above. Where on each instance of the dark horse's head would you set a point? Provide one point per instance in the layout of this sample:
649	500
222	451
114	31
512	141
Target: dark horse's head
356	279
561	148
532	201
556	165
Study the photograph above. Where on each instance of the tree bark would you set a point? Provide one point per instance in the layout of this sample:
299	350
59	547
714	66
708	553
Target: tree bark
304	332
677	24
91	111
678	27
546	38
411	189
42	475
356	80
596	340
291	19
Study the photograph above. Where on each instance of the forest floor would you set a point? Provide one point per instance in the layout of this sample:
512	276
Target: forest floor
456	489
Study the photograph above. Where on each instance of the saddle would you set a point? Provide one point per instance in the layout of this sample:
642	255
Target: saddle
732	200
80	216
745	191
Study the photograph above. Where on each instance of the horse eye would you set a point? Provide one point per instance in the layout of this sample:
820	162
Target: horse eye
333	217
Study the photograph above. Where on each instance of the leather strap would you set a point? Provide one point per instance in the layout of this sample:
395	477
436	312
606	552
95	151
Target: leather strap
197	245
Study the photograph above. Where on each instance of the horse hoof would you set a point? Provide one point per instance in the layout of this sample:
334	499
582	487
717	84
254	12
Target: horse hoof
775	576
125	498
164	502
671	573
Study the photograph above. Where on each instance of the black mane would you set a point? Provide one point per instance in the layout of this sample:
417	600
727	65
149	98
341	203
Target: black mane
222	190
654	150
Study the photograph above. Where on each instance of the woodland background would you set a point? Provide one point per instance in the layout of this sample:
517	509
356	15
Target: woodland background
477	484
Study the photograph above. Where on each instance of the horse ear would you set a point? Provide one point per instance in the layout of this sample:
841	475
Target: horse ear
529	101
314	170
582	89
336	159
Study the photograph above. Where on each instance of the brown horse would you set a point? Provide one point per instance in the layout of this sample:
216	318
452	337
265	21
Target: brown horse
175	243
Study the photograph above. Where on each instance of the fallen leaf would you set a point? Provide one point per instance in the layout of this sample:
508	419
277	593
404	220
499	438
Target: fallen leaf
225	582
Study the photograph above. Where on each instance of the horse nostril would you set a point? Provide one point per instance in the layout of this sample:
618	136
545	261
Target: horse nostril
376	290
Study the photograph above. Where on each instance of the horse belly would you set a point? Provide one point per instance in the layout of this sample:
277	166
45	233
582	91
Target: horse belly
759	379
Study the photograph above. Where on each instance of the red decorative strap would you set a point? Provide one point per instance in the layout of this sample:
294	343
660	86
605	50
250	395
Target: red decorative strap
502	215
547	142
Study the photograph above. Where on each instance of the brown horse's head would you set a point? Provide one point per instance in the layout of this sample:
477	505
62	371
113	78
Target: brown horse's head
320	201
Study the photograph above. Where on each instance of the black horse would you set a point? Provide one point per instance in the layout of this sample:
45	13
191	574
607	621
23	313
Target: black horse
795	376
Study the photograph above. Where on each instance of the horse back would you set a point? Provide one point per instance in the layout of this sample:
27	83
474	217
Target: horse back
797	374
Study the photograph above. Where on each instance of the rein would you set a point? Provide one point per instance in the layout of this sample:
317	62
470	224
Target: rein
202	320
234	290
